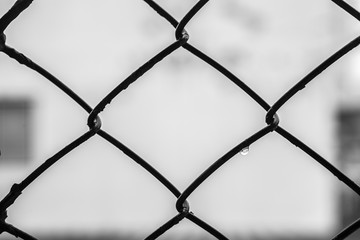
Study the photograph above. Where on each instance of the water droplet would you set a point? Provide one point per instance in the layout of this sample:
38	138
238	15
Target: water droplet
244	151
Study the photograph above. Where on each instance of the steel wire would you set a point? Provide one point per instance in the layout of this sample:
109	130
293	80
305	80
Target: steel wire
95	124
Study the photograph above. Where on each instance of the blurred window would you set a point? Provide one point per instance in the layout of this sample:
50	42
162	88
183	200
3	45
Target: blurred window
349	157
14	131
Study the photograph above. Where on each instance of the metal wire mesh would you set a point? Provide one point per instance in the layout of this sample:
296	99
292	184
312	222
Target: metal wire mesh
94	121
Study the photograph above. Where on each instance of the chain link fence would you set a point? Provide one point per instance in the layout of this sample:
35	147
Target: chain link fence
95	125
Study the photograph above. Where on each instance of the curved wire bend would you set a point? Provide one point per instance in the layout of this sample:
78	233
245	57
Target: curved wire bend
18	7
312	75
94	121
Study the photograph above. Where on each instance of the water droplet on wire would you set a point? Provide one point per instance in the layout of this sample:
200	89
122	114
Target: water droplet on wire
244	151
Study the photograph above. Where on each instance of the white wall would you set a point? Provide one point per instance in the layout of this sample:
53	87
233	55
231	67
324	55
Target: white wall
181	116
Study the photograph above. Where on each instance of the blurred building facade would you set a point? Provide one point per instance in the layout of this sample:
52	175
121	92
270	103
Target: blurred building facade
348	133
180	117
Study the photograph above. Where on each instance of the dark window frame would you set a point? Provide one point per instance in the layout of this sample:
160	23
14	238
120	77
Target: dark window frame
348	135
15	130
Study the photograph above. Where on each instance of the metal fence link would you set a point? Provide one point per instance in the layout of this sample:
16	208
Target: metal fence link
94	121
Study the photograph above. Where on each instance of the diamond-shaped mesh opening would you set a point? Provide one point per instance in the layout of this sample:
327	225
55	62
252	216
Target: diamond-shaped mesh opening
190	111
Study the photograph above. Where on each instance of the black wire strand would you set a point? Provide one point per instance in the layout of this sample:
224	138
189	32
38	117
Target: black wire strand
94	122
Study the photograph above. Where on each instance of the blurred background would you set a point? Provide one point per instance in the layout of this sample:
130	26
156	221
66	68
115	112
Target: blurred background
180	117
